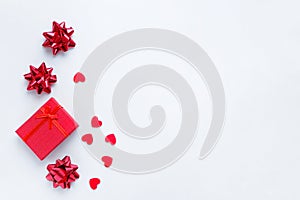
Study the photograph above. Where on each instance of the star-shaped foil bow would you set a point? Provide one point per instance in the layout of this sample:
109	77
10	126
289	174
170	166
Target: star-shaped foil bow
59	39
40	79
62	173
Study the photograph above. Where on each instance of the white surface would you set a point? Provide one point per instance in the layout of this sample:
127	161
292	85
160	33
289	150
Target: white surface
255	46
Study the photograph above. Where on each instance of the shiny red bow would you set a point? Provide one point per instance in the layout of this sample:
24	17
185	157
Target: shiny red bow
59	39
62	173
40	79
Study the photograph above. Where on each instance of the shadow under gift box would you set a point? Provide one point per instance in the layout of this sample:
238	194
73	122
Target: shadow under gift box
47	128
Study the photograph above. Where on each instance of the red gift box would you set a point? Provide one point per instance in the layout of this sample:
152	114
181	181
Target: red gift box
47	128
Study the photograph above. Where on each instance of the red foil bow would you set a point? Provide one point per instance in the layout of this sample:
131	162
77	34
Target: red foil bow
40	79
59	39
62	173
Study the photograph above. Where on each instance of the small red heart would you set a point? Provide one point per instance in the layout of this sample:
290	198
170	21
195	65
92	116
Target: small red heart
96	122
79	77
88	138
107	160
94	182
111	139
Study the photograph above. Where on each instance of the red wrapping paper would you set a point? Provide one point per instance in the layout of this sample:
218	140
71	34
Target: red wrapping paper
47	128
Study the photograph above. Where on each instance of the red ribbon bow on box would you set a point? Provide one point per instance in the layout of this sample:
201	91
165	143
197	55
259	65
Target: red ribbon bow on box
47	115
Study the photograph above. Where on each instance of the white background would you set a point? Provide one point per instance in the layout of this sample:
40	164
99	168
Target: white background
255	45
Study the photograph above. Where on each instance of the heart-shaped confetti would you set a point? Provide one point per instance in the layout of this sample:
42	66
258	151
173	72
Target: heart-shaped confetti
88	138
111	139
79	77
94	182
96	122
107	160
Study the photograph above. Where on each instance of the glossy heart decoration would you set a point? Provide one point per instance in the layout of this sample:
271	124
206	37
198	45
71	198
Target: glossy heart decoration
111	139
94	182
96	122
79	77
107	160
88	138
